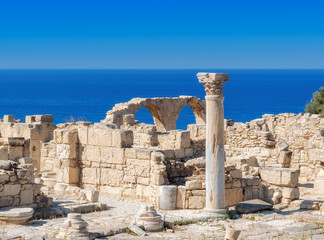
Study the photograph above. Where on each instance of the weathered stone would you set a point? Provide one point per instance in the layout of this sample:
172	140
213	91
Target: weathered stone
280	176
26	197
283	146
193	184
290	193
16	215
11	189
197	202
148	218
5	164
251	206
168	197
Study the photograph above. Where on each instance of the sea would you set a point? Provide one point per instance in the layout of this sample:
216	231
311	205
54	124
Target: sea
88	94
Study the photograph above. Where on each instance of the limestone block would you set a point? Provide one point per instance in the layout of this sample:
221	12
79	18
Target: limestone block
9	118
128	119
236	183
92	195
6	201
289	177
285	158
122	138
236	173
11	189
143	153
67	151
137	167
15	152
318	183
26	197
157	157
111	177
168	197
198	192
189	152
130	153
248	193
70	137
58	136
193	184
4	177
169	153
100	137
158	179
91	153
112	155
181	197
83	135
196	202
68	175
26	160
48	118
4	154
290	193
143	181
183	140
90	176
280	176
129	179
233	196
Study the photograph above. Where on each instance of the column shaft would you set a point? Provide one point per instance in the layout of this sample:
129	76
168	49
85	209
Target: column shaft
215	154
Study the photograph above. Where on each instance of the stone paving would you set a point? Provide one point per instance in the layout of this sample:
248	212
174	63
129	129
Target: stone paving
276	224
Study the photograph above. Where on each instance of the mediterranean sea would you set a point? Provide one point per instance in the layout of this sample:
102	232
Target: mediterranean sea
89	94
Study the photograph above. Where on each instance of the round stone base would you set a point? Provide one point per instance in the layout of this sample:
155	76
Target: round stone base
215	212
19	215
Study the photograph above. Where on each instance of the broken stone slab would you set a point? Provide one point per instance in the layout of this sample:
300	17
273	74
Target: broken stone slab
137	230
254	205
16	215
69	208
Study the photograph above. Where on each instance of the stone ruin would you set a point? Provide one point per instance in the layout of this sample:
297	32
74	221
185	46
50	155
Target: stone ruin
267	158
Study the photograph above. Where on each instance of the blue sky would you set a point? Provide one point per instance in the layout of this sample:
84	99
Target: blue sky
161	34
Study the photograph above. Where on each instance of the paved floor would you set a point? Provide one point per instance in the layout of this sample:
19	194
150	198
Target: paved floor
277	224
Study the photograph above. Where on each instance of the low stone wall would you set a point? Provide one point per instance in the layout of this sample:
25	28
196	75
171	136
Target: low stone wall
36	129
284	140
273	185
17	185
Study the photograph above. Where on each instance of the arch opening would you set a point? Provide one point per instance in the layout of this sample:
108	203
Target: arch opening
144	116
185	117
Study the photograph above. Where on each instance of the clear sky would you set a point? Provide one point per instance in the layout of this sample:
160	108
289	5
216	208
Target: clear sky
161	34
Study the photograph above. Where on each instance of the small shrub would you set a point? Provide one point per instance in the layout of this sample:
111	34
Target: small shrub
316	104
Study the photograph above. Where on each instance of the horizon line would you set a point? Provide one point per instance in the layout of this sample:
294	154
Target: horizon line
161	69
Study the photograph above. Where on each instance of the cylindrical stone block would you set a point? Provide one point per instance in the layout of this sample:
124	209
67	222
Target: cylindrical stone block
168	197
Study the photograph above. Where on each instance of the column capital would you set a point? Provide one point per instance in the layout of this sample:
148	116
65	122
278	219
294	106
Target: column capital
213	82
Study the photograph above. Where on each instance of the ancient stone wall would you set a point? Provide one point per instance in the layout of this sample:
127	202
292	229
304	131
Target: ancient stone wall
36	129
286	140
17	185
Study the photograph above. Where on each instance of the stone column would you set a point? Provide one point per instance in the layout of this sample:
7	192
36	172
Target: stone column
215	154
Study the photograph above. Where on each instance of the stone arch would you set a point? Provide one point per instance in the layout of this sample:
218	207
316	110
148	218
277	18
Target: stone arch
199	112
165	111
157	116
